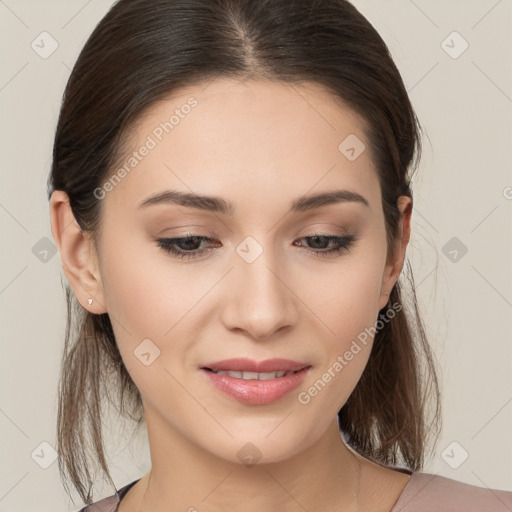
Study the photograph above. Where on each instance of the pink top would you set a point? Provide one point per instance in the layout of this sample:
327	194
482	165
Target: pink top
425	492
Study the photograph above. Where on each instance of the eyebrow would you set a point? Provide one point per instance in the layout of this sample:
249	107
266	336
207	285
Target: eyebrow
219	205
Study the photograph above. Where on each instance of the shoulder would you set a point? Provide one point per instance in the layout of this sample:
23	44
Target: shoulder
428	492
111	503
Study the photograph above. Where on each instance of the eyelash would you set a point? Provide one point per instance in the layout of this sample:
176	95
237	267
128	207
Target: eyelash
345	244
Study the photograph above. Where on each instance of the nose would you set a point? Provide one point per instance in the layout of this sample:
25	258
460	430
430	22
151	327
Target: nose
259	298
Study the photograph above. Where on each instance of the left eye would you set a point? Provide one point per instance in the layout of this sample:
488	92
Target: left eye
188	246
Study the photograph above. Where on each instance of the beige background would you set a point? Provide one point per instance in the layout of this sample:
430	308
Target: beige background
463	189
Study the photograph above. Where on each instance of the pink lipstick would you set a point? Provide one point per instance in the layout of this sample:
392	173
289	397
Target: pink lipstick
256	383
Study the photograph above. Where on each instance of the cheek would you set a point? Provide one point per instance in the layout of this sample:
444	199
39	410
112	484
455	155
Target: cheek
345	301
139	291
345	295
143	305
150	297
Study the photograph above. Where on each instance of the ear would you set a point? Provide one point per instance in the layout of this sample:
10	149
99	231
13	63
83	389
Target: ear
393	268
77	253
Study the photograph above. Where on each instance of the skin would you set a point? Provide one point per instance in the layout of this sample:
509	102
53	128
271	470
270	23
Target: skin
259	145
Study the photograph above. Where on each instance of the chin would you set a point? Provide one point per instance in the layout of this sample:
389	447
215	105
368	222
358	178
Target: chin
258	449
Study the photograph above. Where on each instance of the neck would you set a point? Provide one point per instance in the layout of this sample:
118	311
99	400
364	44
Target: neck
324	476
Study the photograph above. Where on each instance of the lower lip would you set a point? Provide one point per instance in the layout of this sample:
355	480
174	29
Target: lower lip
256	392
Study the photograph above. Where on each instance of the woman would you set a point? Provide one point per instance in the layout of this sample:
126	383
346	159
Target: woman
230	195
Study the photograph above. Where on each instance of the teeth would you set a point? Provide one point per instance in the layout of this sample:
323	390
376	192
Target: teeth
254	375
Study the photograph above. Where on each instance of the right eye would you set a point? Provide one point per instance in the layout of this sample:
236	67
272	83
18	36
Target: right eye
188	243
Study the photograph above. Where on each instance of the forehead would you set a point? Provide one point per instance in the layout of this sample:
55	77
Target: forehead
255	139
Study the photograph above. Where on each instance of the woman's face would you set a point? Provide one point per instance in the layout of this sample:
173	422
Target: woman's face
256	287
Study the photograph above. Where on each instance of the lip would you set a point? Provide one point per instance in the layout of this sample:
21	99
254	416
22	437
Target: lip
250	365
253	391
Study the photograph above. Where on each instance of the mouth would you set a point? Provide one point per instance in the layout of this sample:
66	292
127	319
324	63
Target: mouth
245	368
255	388
246	375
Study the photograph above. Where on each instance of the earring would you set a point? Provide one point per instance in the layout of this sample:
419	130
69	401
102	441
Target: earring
386	293
89	301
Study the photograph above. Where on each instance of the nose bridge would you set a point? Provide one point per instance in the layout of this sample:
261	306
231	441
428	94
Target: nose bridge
260	301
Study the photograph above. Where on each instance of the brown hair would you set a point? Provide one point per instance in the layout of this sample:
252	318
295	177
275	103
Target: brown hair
144	50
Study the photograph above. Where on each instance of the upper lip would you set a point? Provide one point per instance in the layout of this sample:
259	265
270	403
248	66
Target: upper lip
249	365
